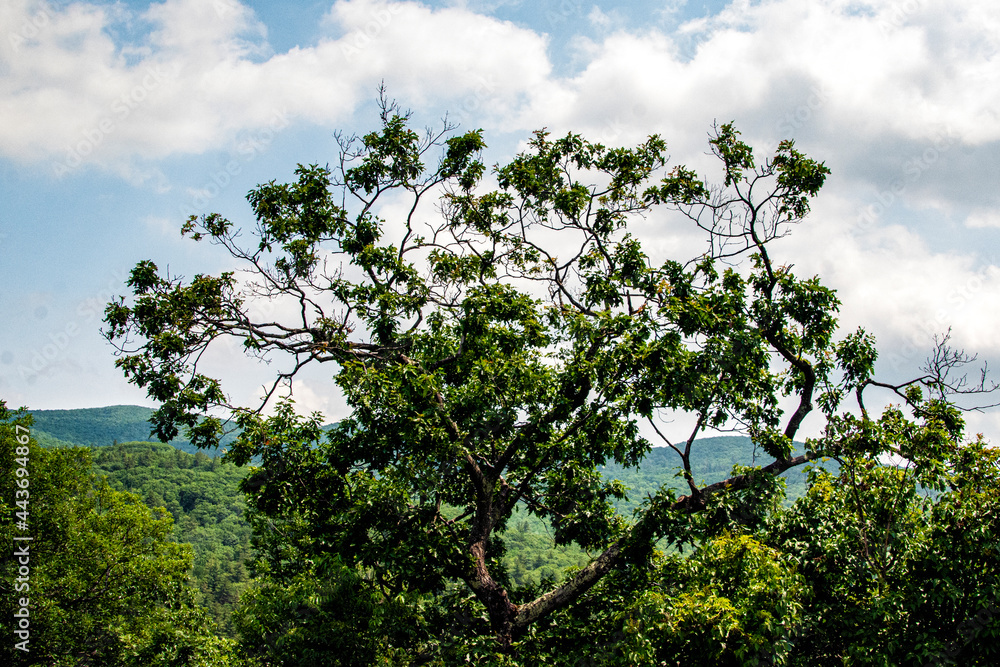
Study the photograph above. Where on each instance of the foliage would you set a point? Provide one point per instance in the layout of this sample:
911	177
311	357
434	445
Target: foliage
531	554
106	586
893	571
329	614
730	600
496	354
867	568
202	495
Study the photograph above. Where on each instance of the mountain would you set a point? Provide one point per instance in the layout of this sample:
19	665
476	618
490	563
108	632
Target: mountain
99	427
202	494
712	460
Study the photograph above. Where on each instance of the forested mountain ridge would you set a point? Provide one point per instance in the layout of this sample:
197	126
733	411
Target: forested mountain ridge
712	460
98	427
202	495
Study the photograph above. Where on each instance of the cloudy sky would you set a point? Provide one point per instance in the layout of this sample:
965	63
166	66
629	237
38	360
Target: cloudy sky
119	119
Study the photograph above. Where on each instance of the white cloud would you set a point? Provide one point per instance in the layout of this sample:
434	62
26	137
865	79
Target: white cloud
200	31
605	21
314	395
983	218
822	71
899	105
73	96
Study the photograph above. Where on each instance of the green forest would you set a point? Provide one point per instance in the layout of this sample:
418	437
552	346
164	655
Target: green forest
189	511
201	493
533	465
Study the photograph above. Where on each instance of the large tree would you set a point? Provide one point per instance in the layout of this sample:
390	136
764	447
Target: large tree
498	339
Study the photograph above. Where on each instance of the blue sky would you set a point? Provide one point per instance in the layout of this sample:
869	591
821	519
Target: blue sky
119	119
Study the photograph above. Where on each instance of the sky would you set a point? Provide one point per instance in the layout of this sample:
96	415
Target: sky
120	119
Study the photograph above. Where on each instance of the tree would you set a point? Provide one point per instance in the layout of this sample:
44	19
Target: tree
495	352
105	585
899	561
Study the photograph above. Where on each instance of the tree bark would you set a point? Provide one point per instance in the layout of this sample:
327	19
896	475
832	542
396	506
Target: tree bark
501	610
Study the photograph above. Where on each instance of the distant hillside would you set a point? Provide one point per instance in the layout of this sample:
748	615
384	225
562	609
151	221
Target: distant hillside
202	494
712	460
98	427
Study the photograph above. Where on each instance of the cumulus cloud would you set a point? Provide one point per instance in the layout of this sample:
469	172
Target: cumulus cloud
875	72
203	71
981	218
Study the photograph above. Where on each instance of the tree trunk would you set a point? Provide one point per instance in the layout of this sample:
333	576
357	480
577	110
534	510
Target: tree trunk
501	610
